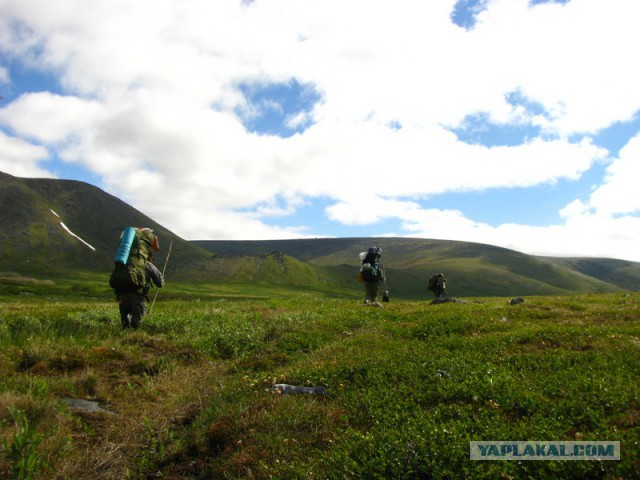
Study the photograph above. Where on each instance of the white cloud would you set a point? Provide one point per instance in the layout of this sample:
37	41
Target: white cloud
20	158
619	192
49	118
583	233
150	95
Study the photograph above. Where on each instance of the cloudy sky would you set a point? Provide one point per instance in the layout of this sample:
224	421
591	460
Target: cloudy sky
509	122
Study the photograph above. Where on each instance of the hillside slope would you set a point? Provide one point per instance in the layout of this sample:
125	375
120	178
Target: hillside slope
622	273
472	269
273	269
32	236
33	239
57	227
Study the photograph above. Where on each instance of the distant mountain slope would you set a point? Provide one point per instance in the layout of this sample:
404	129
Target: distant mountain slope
622	273
274	269
472	269
53	227
33	239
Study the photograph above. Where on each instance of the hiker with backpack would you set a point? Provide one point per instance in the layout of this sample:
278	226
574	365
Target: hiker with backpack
371	274
438	285
134	273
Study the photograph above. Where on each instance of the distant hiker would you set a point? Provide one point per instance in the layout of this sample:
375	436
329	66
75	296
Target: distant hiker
438	285
134	273
371	274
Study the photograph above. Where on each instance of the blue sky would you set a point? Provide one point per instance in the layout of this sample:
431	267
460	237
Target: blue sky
509	122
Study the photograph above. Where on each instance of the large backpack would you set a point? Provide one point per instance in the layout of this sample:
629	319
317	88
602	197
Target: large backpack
436	283
128	274
370	266
370	272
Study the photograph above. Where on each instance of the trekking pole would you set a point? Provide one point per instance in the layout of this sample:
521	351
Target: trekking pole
385	295
166	260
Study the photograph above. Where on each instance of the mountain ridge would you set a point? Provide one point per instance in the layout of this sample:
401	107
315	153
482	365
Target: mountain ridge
41	216
472	268
95	216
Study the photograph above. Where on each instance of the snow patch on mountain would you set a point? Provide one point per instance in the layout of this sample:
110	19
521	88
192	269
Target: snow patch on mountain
70	232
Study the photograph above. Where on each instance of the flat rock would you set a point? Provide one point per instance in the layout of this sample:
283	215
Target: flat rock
436	301
285	389
82	405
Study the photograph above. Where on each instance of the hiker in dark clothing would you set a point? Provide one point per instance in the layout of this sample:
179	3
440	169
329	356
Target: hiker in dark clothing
132	304
372	275
134	273
438	285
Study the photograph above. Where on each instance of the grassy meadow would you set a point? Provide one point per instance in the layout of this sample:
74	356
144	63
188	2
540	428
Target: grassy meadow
408	386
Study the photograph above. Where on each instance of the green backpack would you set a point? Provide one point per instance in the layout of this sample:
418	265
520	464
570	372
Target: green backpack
370	272
130	277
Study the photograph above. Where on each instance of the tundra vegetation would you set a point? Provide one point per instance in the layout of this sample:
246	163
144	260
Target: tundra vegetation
408	386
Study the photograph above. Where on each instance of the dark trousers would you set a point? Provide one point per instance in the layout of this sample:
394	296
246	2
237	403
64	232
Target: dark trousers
132	308
371	291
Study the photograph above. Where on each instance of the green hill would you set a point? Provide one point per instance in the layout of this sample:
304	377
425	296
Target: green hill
33	239
472	269
273	269
622	273
57	227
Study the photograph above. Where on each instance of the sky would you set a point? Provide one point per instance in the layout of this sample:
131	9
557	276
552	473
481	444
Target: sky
513	123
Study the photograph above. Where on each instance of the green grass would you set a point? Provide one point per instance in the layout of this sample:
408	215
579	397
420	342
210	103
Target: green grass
409	385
